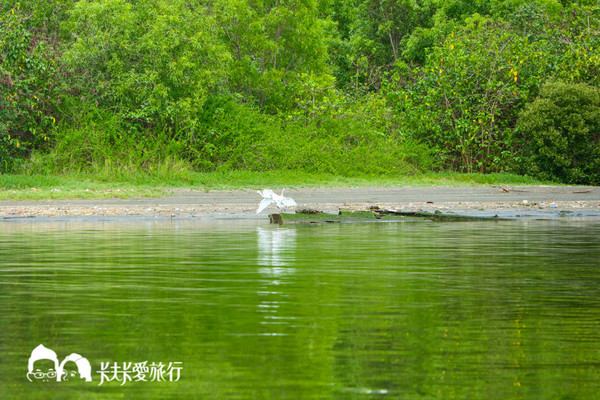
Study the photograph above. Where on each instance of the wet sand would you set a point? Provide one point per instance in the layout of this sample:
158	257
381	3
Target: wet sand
521	201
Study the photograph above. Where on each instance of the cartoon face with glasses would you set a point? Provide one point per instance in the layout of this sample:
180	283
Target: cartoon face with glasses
43	366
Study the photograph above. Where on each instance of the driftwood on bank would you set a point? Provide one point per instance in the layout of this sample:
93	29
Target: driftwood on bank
506	190
372	215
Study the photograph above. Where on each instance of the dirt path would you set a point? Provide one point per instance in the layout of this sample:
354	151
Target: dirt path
537	201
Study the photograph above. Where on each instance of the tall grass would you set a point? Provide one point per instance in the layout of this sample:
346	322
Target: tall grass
99	154
232	136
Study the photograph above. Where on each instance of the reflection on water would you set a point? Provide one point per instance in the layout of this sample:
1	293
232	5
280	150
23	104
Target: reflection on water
276	247
349	311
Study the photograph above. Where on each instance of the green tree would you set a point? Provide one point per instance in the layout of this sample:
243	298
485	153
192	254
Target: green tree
27	89
371	38
275	47
462	101
465	100
153	62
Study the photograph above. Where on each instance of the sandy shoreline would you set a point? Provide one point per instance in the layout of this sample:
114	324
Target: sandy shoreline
533	201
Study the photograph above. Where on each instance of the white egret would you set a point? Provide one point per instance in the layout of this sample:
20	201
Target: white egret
270	197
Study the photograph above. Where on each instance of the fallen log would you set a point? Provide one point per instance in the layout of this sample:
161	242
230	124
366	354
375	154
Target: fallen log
374	215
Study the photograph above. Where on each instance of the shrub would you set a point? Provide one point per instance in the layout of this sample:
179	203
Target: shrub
466	99
463	101
98	140
357	139
236	135
26	90
561	134
153	63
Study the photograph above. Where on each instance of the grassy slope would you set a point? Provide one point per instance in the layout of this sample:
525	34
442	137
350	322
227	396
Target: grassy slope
123	185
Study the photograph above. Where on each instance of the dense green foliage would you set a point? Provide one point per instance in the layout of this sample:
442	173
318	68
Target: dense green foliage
561	130
466	98
26	89
327	86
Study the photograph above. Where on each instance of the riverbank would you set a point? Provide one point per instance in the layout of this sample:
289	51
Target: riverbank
505	201
106	184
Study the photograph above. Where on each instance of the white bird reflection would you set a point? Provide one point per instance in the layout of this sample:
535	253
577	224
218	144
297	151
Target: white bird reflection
274	246
275	249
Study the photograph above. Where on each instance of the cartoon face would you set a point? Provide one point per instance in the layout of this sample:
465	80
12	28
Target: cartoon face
43	371
70	372
69	375
43	366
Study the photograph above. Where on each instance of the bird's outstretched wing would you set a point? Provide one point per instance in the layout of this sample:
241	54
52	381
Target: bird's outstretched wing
266	193
264	204
288	202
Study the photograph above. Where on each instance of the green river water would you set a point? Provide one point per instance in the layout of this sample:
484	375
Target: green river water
240	309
